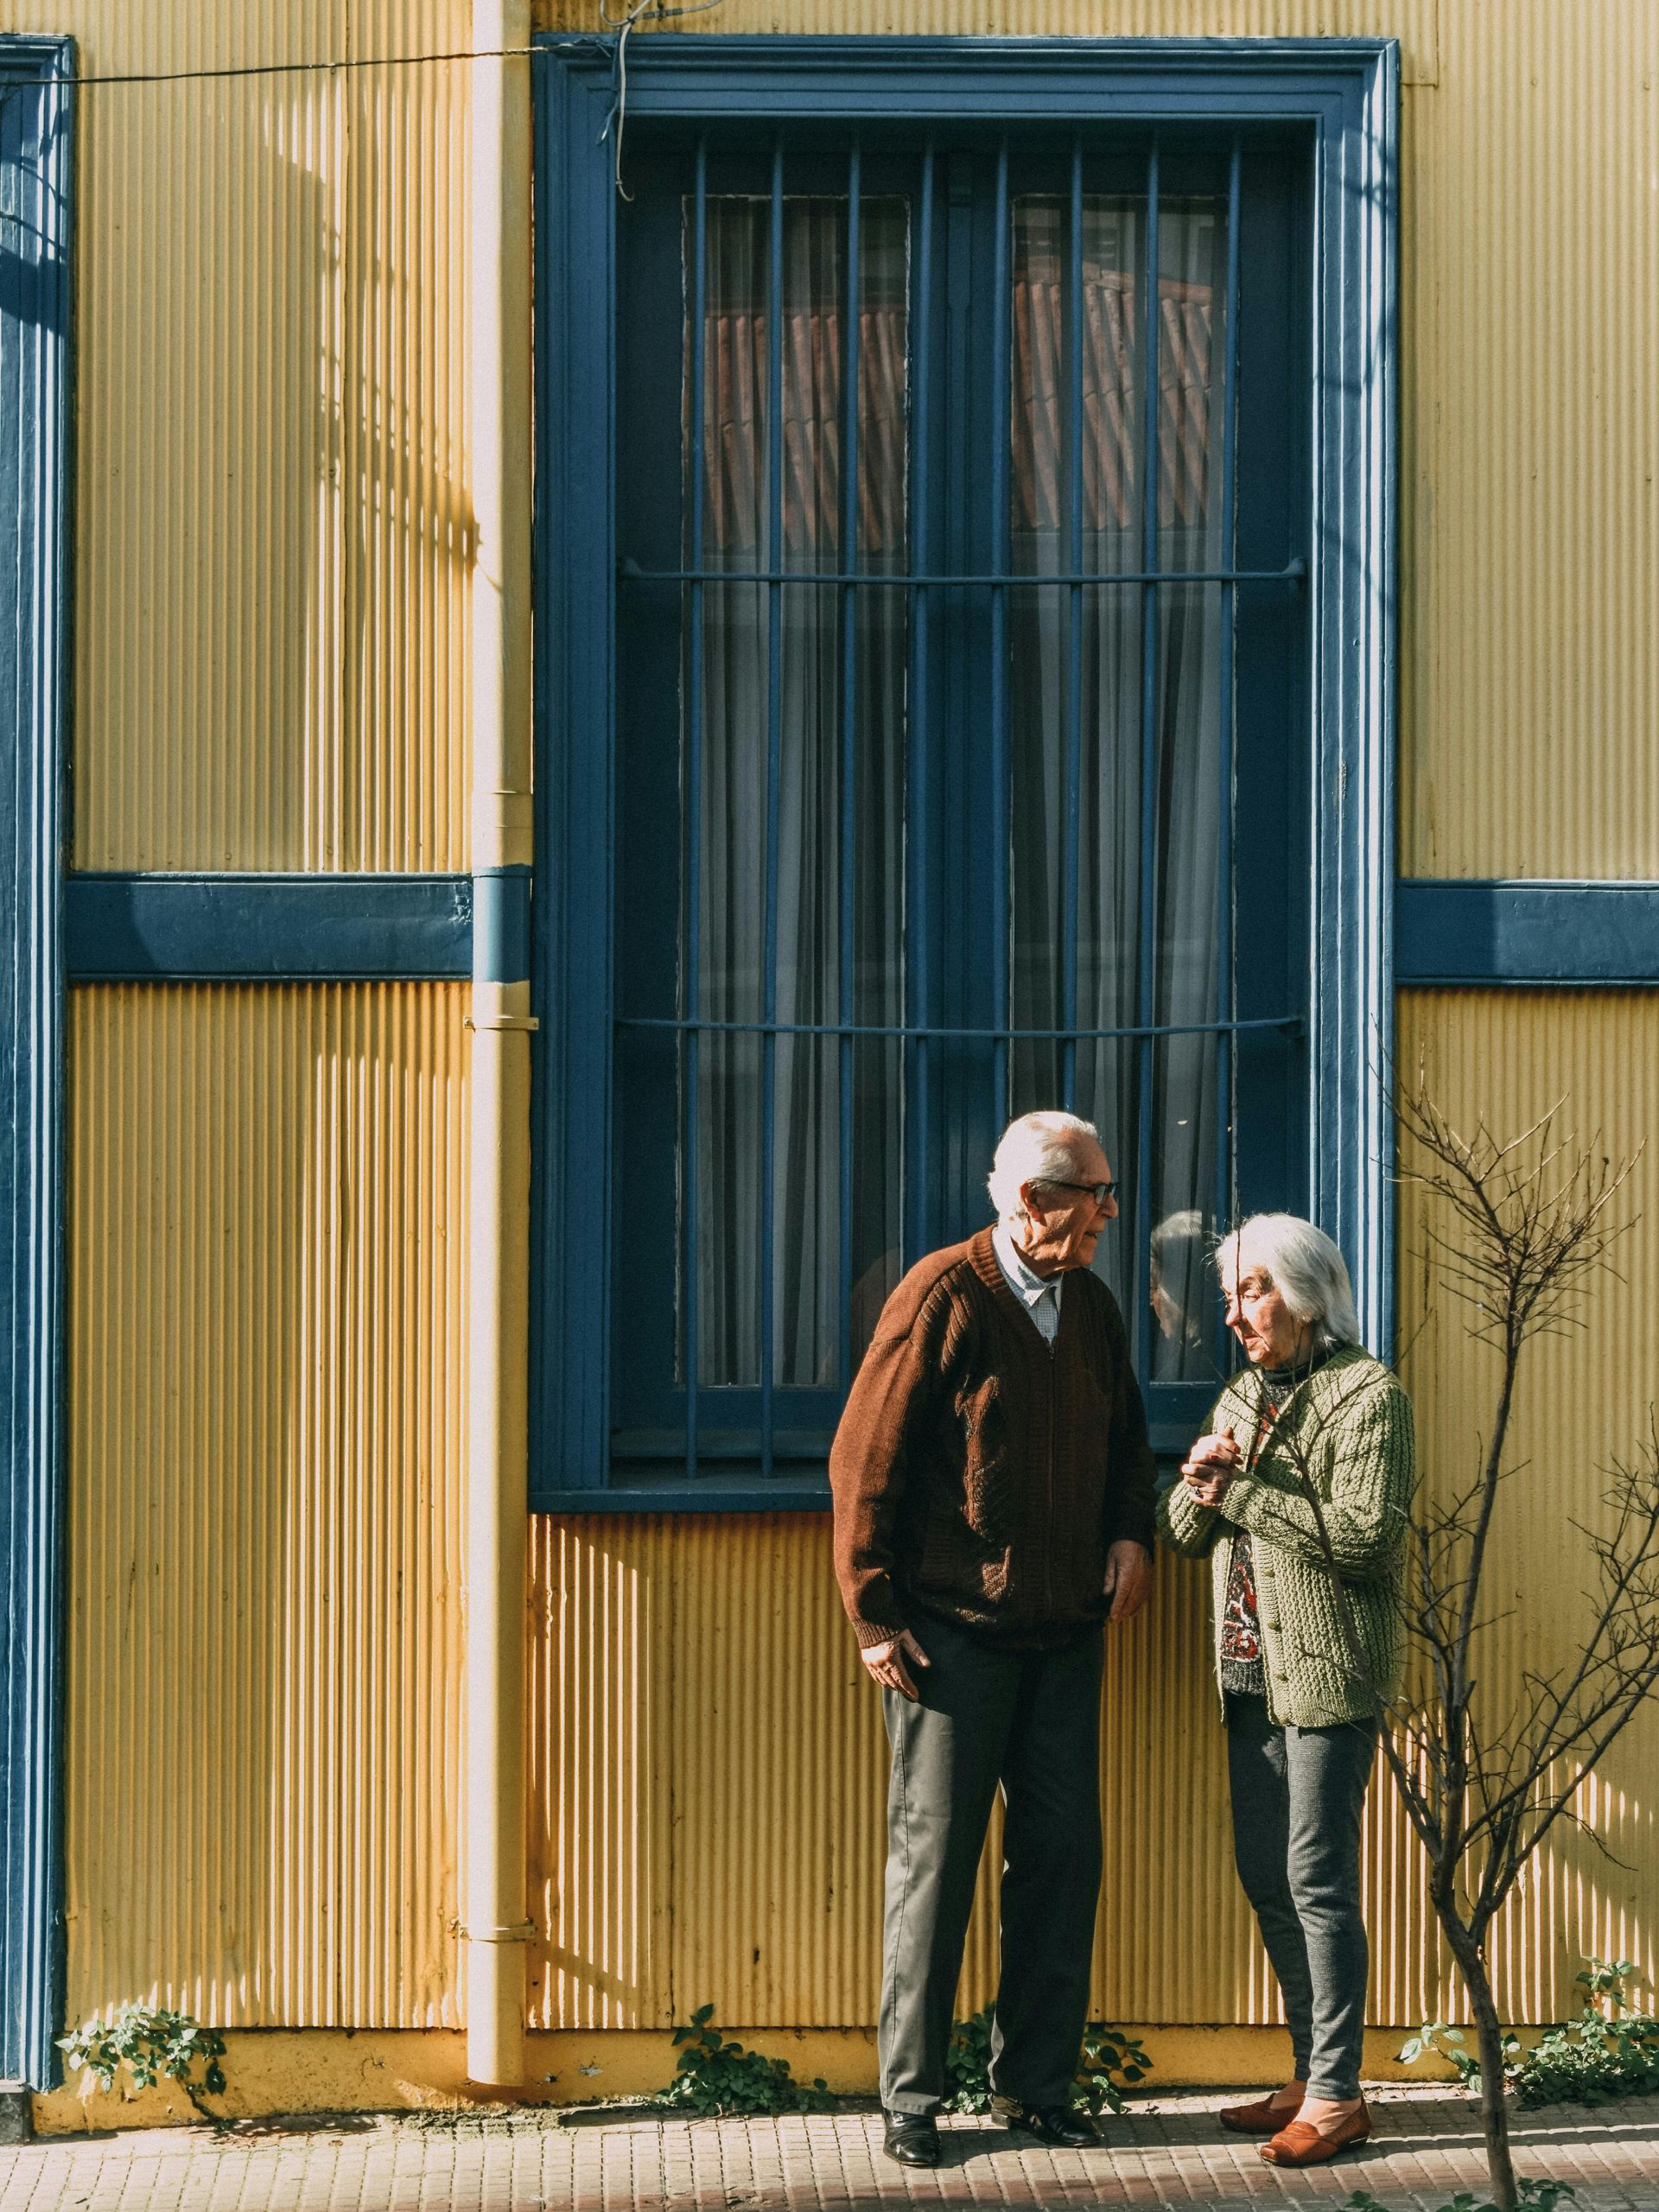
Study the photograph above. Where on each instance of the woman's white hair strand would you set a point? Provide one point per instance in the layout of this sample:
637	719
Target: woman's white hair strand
1303	1265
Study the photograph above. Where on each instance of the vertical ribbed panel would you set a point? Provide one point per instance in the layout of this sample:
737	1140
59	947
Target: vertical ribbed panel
1413	22
710	1780
406	512
602	1598
1584	1400
266	1423
1530	421
273	528
779	1766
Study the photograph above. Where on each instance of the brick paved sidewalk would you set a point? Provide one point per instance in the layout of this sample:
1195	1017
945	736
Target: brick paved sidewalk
1168	2151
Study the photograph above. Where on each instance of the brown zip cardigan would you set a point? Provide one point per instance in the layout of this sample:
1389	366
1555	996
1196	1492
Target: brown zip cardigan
980	1475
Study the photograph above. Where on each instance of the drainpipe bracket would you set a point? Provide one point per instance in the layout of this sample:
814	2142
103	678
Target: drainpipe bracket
519	1932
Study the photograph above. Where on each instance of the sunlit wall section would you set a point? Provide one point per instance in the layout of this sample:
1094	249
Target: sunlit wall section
272	533
710	1778
1586	1400
265	1403
1529	420
602	1596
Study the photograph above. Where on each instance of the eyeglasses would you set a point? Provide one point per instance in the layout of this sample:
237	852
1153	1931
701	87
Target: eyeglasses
1100	1192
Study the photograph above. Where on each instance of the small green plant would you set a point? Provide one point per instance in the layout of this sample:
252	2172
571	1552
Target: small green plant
153	2045
1109	2057
968	2065
1107	2052
1610	2051
1531	2196
714	2076
1440	2039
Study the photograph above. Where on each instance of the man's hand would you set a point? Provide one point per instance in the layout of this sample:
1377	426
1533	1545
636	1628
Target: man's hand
1129	1579
884	1664
1209	1467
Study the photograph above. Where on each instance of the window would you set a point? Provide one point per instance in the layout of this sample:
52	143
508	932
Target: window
963	751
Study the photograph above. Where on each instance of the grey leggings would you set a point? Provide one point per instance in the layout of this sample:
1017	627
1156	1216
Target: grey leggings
1298	1795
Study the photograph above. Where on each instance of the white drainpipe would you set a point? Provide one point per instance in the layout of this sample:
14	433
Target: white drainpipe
498	297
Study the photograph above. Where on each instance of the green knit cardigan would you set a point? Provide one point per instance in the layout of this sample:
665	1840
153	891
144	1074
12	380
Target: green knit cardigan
1351	1421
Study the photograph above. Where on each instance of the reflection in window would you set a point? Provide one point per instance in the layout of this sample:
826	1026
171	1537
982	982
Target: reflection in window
1151	814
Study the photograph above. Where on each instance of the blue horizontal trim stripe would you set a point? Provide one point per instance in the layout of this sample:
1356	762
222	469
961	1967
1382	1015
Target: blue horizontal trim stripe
268	928
1470	934
712	1496
718	1494
727	1491
1476	934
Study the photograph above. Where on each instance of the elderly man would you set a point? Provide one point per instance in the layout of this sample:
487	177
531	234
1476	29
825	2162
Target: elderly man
994	1504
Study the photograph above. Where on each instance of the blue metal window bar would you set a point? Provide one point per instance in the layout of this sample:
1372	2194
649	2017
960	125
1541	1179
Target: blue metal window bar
918	1033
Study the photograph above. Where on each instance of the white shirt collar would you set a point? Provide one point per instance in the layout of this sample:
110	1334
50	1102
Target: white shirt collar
1023	1279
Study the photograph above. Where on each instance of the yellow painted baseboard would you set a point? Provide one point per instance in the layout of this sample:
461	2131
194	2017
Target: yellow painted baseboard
375	2069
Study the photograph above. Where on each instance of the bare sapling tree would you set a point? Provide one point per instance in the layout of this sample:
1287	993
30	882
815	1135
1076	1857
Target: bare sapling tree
1484	1767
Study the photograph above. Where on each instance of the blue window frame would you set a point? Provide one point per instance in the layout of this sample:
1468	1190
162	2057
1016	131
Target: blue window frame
973	162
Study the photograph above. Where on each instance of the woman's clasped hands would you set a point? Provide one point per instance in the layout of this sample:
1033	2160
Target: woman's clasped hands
1209	1466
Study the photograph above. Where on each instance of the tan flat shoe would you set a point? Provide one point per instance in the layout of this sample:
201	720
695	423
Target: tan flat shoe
1301	2144
1264	2117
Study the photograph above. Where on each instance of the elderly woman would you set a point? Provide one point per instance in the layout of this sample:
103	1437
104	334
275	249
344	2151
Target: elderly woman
1313	1418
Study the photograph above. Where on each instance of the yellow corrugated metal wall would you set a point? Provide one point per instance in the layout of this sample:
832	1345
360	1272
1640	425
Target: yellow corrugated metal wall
1530	559
266	1410
271	533
1586	1400
273	528
711	1770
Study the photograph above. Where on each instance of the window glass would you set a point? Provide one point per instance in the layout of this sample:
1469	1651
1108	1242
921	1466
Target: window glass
957	655
1119	814
807	936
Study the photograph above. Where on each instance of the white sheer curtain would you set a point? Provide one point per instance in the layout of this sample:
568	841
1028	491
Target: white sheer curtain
1185	808
1176	817
807	1135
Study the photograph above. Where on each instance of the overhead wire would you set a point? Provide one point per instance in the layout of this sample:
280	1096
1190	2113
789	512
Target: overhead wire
620	26
330	67
658	12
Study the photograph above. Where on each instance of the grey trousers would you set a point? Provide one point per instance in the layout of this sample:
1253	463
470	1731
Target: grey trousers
1029	1721
1298	1795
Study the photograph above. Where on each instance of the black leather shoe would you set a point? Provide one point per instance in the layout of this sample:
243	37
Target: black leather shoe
912	2138
1058	2125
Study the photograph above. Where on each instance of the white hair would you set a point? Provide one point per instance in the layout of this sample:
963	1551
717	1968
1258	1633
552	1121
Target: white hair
1037	1148
1172	1239
1302	1264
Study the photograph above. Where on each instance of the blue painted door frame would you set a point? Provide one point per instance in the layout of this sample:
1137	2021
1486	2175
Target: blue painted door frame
36	129
1343	95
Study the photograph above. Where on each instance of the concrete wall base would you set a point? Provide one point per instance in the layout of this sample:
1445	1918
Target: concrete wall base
372	2069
